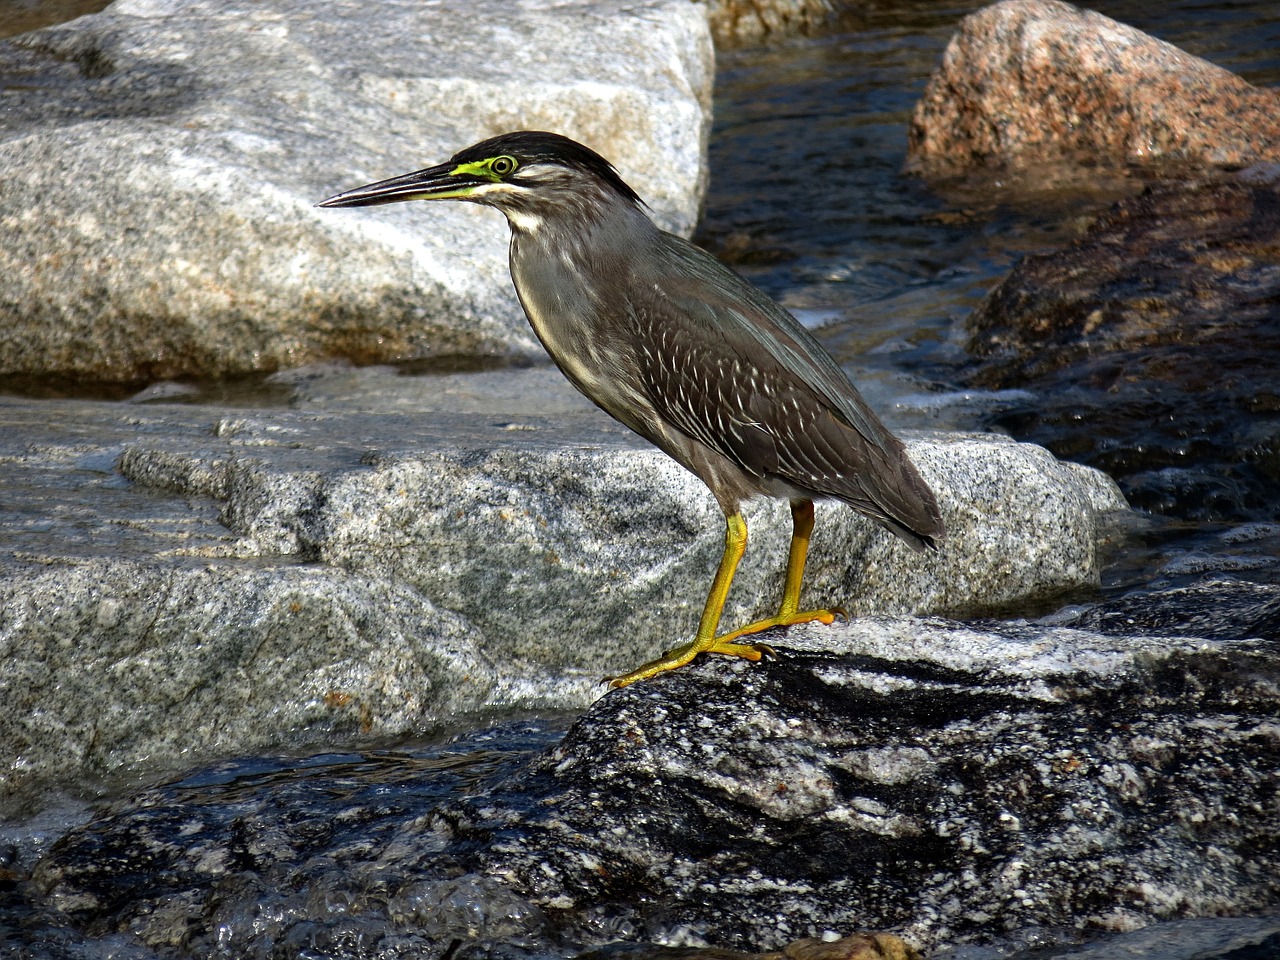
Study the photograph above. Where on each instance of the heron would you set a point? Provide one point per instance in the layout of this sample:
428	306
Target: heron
687	353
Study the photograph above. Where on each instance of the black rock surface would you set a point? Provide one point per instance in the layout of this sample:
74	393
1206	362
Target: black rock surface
1150	348
955	784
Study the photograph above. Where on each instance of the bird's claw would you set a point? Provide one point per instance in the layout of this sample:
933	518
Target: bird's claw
730	645
682	655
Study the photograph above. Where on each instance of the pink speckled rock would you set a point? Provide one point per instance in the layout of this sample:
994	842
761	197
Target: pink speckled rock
1034	82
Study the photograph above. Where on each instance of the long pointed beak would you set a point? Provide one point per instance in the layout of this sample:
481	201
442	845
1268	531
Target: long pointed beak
434	183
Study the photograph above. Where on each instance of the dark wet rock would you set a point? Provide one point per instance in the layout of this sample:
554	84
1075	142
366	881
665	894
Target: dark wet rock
162	162
1152	345
1183	269
952	784
1068	785
1038	83
858	946
1214	607
1235	938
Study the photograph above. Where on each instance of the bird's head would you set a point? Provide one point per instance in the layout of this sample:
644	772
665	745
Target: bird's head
530	176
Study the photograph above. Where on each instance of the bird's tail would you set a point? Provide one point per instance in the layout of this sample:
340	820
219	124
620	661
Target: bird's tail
904	502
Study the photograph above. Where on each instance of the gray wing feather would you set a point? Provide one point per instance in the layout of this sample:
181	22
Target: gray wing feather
737	373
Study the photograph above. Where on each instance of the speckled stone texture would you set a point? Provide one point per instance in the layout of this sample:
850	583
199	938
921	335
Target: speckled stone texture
1038	82
947	782
952	784
576	550
162	160
298	575
1169	305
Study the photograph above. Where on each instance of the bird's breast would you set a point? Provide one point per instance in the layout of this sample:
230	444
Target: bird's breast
560	298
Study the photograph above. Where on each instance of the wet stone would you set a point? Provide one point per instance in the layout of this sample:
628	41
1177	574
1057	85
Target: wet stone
1151	347
188	582
951	784
1215	606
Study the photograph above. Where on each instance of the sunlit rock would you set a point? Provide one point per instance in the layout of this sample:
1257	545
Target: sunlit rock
185	582
162	162
1041	84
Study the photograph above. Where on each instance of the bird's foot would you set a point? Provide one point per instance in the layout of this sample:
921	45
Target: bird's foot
668	661
684	654
826	617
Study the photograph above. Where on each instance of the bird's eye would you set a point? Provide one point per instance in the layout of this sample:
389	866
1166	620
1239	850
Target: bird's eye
502	165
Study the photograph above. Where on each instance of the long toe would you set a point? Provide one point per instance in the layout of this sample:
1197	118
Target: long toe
747	651
682	655
784	620
668	661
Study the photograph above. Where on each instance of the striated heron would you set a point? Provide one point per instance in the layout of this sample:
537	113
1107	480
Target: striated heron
678	347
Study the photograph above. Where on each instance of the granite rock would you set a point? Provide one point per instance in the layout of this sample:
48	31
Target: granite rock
162	162
996	783
184	582
111	663
587	554
1041	84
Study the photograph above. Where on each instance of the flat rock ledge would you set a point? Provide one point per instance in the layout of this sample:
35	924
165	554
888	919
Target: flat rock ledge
274	577
996	783
162	161
1029	83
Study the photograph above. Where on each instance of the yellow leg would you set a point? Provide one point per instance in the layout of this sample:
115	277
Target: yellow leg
801	531
706	641
788	612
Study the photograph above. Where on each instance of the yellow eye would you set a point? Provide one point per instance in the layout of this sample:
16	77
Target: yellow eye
502	165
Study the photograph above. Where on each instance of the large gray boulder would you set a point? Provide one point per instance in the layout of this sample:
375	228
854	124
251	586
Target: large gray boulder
162	166
269	576
590	544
